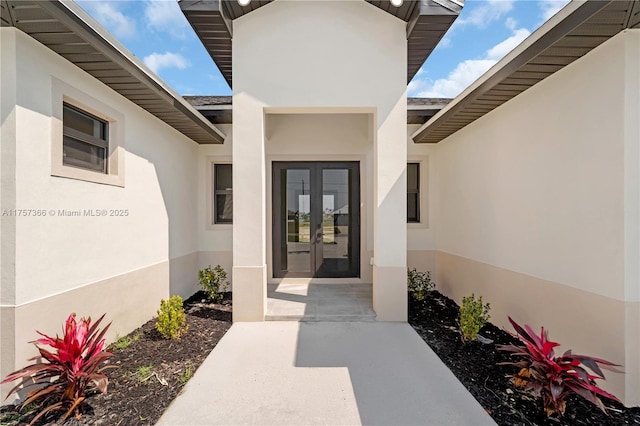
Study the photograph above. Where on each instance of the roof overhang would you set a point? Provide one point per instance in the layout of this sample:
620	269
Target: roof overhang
573	32
427	21
218	109
70	32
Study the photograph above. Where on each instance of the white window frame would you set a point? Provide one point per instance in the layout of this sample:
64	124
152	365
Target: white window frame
63	93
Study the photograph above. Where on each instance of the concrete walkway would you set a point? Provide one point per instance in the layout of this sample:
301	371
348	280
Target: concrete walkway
342	373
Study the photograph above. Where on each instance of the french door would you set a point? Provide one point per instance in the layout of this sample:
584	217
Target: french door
316	219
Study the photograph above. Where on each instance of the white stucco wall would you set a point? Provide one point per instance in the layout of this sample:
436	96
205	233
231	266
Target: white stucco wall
55	254
540	199
330	58
537	186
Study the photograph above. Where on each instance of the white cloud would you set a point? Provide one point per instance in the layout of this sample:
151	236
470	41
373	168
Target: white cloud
511	23
157	61
165	16
549	8
466	72
108	15
489	11
498	51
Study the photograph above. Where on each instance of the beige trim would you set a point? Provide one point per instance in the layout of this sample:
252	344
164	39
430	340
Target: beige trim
210	224
423	161
585	322
63	92
129	300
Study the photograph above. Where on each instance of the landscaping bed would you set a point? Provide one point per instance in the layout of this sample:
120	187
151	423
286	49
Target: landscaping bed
474	364
150	371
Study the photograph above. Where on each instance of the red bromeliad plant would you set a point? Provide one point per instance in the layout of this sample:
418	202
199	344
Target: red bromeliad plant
66	374
554	378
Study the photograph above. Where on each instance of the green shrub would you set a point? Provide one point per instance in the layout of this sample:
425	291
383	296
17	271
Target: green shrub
473	316
171	322
419	283
214	281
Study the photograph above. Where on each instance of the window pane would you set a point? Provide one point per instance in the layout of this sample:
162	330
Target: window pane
83	123
224	208
223	177
413	177
80	154
413	211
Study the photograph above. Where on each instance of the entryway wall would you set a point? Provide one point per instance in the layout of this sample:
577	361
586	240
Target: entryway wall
326	136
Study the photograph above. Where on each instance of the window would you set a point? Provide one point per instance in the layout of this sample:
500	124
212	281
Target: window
85	141
413	192
223	193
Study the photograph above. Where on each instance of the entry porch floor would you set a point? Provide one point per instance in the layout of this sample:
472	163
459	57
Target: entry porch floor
320	302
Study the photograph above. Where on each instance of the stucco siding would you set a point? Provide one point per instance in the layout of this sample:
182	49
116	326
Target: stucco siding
316	57
545	187
96	242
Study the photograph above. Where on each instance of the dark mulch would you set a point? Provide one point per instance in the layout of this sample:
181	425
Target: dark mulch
141	400
474	364
134	399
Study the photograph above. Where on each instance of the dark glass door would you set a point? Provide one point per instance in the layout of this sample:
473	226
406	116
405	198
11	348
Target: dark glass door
316	219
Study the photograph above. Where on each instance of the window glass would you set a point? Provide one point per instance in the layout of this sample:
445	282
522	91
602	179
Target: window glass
413	192
84	143
223	177
80	154
223	193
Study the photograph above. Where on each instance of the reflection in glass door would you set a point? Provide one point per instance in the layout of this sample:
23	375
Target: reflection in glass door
298	212
316	220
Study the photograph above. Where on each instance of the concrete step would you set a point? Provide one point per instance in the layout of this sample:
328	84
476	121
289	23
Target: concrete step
320	302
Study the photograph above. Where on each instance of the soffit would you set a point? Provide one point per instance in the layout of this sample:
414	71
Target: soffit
427	22
218	109
572	33
67	30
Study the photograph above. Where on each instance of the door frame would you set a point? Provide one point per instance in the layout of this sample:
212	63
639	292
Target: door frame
315	168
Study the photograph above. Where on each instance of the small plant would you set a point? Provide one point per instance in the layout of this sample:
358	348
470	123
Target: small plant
473	316
187	374
171	322
143	373
66	374
419	283
214	281
554	378
123	342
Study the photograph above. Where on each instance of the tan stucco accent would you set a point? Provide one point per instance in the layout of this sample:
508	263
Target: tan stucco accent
585	322
250	293
129	300
389	293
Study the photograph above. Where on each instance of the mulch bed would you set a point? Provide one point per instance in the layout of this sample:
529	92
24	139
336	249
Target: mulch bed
134	399
474	364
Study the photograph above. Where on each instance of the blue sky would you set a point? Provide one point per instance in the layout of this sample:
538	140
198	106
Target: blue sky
157	32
